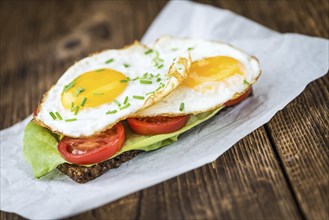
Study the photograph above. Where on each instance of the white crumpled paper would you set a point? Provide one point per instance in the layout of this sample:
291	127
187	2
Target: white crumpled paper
289	62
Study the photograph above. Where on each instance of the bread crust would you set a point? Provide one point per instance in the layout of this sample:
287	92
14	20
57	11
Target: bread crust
82	174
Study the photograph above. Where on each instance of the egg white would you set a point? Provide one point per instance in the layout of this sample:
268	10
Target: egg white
94	120
197	100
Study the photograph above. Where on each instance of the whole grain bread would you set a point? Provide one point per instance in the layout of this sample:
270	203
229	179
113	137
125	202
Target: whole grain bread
82	174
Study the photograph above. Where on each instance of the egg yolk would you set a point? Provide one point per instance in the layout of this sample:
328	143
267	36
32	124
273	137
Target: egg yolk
93	88
212	69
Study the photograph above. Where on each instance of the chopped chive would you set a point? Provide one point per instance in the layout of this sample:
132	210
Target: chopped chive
78	91
246	82
76	110
111	112
70	119
142	81
157	75
123	81
145	75
125	106
68	86
150	93
148	51
138	97
98	93
52	115
156	53
159	67
99	70
83	102
181	107
161	86
161	60
109	61
117	103
190	48
136	78
72	105
128	78
59	116
151	75
174	49
126	65
126	100
158	79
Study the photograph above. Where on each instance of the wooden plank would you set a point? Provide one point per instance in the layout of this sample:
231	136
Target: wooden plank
302	143
300	131
244	183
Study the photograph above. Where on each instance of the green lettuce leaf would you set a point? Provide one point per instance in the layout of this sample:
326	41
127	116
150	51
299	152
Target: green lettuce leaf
40	145
40	149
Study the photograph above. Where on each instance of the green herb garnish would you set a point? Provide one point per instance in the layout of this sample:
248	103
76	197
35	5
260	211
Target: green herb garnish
190	48
117	103
142	81
126	100
59	116
109	61
123	81
126	65
68	86
136	78
138	97
70	119
125	106
111	112
150	93
83	102
246	82
76	110
148	51
98	93
159	67
158	79
99	70
78	91
52	115
181	107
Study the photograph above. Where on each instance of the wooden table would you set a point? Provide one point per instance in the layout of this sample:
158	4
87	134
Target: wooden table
280	171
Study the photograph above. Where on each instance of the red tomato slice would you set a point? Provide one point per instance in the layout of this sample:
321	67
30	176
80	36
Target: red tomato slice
157	125
93	149
239	99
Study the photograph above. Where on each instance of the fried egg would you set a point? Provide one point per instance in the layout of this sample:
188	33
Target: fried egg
219	72
103	89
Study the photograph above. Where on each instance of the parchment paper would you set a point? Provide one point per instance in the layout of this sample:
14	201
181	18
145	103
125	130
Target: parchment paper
289	62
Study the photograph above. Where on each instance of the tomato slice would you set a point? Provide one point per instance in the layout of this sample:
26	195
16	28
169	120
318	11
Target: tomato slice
157	125
92	149
239	99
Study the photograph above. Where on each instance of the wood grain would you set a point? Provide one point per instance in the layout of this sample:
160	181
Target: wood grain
302	143
280	171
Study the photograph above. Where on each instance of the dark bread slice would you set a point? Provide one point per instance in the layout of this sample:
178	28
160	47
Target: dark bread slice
83	174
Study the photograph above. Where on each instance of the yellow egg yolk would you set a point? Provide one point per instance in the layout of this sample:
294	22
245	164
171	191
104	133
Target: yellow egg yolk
212	69
93	88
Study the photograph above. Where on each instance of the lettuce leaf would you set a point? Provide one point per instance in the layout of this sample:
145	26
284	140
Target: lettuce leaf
40	145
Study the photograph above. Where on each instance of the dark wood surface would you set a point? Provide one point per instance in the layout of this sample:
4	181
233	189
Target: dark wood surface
280	171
